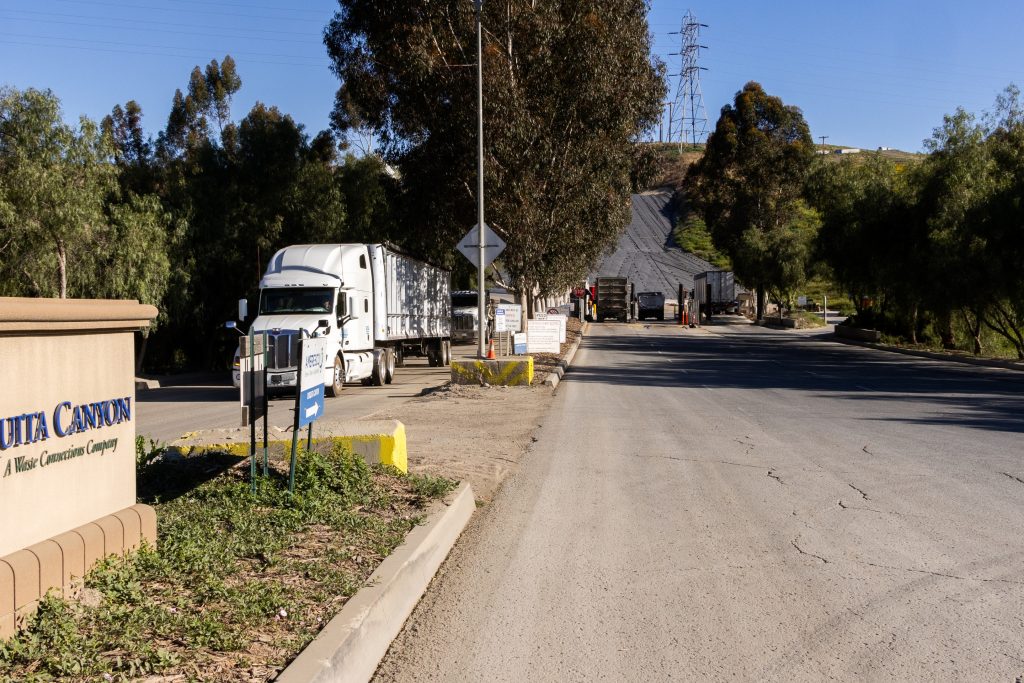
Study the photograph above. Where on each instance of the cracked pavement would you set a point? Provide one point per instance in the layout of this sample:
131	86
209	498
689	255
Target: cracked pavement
642	540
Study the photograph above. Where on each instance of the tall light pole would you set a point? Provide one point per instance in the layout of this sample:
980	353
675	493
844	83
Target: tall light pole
481	276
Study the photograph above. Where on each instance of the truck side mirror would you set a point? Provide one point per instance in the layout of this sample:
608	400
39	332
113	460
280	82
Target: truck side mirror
243	309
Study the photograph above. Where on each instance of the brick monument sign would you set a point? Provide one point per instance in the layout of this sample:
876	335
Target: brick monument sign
67	445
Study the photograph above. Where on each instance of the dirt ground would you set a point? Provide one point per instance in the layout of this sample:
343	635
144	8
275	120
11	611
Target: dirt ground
467	433
477	434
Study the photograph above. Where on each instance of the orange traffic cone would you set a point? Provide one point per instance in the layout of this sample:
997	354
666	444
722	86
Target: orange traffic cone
490	350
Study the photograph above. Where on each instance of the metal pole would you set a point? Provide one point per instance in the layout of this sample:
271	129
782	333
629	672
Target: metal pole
266	407
252	411
824	309
481	276
295	426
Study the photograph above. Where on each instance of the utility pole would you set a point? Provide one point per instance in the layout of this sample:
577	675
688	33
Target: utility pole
481	274
823	138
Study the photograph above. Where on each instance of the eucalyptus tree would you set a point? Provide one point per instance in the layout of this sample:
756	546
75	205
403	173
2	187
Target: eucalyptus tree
569	85
748	186
66	229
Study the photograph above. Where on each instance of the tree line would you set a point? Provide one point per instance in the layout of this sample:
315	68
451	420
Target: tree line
923	248
186	220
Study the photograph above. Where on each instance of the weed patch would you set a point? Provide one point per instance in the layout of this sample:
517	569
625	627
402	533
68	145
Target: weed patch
240	581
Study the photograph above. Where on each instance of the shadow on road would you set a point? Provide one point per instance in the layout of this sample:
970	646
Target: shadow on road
944	396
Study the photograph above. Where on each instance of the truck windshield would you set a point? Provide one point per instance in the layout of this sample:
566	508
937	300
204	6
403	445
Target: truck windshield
296	300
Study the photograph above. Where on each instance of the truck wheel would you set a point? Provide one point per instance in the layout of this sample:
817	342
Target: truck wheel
378	372
389	366
338	383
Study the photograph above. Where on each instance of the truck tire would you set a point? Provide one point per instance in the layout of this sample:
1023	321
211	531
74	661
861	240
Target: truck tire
379	371
433	356
389	366
335	387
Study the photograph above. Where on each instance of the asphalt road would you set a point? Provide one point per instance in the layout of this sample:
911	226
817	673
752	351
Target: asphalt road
195	403
749	504
646	252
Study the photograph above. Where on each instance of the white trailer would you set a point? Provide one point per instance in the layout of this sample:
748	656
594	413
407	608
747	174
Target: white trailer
714	291
375	305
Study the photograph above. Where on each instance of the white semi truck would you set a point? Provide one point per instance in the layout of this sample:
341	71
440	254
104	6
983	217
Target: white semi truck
375	305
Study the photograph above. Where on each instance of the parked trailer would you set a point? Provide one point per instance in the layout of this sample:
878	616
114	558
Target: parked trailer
714	291
374	304
612	298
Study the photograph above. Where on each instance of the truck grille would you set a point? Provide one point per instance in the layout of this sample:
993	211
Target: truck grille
464	322
284	351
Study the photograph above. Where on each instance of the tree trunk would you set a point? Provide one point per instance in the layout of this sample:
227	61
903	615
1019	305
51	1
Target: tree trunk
759	315
140	356
912	323
974	327
62	269
945	326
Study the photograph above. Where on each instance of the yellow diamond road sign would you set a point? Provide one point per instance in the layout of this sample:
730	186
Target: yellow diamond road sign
470	248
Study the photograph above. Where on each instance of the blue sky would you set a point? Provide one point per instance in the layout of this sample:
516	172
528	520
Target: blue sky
866	73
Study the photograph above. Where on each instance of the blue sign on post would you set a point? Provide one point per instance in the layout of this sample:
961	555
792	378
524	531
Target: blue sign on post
311	404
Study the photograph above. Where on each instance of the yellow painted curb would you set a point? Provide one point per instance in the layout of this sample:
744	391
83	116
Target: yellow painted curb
380	442
503	372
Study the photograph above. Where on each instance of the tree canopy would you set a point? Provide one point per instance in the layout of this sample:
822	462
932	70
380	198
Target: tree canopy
568	88
749	187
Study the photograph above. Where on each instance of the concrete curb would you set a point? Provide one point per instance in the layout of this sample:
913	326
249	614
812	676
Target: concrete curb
144	383
983	362
352	644
555	376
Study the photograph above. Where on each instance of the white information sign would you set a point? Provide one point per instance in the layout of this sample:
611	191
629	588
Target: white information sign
470	247
499	320
801	301
552	316
542	336
513	316
309	399
519	343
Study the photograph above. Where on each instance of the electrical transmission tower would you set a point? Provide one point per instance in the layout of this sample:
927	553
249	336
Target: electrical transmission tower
688	119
